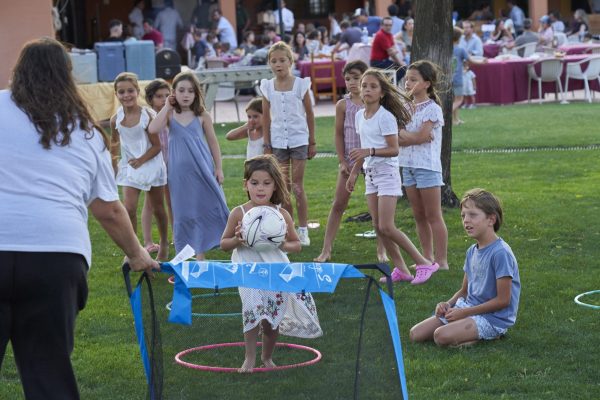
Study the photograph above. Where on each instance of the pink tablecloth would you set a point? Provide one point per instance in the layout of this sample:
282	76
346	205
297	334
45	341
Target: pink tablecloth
491	50
578	48
304	67
506	82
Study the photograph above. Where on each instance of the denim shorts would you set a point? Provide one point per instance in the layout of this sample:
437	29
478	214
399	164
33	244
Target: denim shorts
486	330
422	178
383	179
296	153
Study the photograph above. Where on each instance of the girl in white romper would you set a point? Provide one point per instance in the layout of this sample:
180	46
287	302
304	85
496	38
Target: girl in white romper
377	125
289	127
141	166
251	129
291	314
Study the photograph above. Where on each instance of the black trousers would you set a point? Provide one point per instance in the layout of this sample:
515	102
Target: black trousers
385	64
40	296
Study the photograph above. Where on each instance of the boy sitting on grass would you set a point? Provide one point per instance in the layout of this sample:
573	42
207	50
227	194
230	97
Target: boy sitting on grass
486	304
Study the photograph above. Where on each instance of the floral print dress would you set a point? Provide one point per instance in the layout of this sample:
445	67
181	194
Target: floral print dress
295	314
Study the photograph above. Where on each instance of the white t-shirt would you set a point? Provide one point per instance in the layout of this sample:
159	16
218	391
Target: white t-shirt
372	134
45	193
425	155
288	19
289	128
227	33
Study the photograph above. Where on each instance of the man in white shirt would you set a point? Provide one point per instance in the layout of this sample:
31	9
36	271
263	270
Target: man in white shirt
287	17
470	41
225	29
167	21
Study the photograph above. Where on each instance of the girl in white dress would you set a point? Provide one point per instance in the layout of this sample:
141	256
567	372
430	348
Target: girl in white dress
251	129
276	312
141	166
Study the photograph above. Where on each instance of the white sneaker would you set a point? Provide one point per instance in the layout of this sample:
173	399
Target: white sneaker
303	235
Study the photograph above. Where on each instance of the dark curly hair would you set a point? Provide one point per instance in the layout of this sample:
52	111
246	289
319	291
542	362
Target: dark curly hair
43	87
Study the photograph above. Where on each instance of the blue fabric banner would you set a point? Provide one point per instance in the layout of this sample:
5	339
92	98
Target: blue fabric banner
390	312
286	277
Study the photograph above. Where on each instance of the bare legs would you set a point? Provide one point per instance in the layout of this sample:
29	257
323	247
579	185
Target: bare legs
147	213
269	340
431	228
383	209
340	202
455	106
296	187
455	333
156	196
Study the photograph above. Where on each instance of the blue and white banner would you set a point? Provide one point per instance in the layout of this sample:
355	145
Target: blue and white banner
286	277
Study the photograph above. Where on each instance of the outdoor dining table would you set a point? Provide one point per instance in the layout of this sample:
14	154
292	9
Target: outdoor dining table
491	50
506	81
304	68
578	48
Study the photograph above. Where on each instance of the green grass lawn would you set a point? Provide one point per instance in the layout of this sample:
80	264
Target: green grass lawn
552	222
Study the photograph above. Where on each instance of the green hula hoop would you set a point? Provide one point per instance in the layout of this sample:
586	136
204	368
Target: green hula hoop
207	315
581	303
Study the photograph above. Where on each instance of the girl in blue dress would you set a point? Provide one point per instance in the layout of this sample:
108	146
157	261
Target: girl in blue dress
195	173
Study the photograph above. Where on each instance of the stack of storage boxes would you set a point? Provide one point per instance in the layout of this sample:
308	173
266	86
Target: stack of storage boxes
116	57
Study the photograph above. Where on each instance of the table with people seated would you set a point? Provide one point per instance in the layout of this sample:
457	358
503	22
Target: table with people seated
304	68
506	81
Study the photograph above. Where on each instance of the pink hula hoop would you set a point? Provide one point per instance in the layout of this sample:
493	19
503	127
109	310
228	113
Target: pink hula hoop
178	358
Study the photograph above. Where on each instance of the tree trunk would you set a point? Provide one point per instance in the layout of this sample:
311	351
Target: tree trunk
433	41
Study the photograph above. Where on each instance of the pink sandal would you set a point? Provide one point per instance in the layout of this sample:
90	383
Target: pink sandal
398	276
424	272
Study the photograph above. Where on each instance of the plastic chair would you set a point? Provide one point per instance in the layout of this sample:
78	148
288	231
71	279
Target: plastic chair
226	90
561	38
524	50
316	78
593	50
550	71
592	71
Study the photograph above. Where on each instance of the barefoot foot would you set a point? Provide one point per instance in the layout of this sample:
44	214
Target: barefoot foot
268	363
323	257
163	253
246	367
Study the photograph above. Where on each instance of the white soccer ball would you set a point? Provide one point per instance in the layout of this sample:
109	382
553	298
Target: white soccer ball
263	228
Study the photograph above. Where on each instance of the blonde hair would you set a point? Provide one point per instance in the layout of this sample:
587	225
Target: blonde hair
393	100
486	202
127	77
281	46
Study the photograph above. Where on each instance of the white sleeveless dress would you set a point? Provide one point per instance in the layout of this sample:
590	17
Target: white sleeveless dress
294	313
134	143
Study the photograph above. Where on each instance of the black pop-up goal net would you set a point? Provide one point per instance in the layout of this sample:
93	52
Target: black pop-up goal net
189	325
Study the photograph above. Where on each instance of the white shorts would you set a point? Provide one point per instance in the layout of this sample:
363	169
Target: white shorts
383	179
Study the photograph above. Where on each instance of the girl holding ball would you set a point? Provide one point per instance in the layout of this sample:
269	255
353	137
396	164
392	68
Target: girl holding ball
265	185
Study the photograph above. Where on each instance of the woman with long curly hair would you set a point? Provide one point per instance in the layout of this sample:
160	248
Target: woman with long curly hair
54	165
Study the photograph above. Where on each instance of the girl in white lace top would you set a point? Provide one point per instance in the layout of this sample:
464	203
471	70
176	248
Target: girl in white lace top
420	159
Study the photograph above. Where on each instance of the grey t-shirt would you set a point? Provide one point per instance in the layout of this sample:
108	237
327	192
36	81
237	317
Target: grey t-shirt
351	35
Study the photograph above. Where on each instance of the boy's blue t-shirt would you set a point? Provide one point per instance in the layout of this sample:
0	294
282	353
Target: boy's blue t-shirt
459	56
483	267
